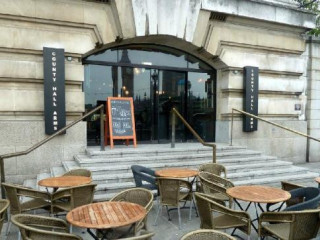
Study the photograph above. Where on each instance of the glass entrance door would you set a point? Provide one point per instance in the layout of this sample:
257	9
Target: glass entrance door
155	92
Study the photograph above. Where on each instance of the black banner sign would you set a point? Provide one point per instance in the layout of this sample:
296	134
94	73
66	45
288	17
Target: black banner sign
54	90
250	101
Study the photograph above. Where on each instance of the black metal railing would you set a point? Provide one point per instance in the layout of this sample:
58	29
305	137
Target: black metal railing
174	113
47	139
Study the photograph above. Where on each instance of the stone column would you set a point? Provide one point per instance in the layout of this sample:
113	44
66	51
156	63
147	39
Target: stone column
313	98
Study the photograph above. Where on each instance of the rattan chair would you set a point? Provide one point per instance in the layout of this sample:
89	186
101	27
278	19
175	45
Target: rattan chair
206	234
226	217
216	186
172	192
214	168
69	198
78	172
4	204
293	225
23	199
141	196
33	227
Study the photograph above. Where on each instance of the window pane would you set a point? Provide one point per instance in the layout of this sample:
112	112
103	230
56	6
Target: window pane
152	58
109	55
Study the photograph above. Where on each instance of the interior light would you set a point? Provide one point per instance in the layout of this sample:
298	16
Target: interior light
146	63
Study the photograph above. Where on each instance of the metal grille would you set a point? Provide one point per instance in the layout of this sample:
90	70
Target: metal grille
218	17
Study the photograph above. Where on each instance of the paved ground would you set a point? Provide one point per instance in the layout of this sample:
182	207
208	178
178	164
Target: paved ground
166	230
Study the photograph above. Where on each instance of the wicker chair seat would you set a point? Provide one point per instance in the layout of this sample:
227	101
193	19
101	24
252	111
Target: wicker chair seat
281	230
222	221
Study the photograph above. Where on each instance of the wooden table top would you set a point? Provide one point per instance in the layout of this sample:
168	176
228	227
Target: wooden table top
104	215
317	179
258	194
64	181
177	173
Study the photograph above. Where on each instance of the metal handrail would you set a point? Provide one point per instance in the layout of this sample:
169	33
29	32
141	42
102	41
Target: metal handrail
173	121
10	155
272	123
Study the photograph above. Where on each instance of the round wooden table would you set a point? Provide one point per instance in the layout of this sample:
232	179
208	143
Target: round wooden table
177	173
257	194
64	181
105	215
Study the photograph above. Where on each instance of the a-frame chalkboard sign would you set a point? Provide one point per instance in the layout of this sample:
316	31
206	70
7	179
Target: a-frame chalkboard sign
120	122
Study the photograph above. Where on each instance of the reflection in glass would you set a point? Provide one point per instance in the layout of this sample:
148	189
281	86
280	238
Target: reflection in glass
201	105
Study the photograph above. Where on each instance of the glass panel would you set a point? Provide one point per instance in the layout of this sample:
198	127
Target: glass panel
195	63
171	94
98	85
201	105
152	58
109	55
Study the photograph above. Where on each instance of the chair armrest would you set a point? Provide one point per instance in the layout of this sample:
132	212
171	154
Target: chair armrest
276	217
32	193
238	214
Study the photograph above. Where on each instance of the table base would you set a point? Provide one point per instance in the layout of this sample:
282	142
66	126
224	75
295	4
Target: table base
104	233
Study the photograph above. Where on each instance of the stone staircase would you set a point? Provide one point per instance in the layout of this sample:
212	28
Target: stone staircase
111	168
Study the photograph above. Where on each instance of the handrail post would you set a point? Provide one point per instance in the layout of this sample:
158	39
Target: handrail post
231	127
3	178
102	129
214	154
173	129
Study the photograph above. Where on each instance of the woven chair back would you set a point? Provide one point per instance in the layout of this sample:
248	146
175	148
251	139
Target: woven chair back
78	172
82	195
204	209
4	204
213	168
212	183
169	191
306	224
12	195
205	234
139	196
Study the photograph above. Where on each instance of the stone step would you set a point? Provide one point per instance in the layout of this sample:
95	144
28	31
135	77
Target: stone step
258	166
275	181
84	160
57	171
40	177
122	168
160	149
257	174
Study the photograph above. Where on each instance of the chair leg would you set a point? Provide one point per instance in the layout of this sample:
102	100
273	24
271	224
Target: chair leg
179	216
8	226
190	209
156	220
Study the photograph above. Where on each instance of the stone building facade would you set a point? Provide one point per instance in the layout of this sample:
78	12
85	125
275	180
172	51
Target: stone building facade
227	35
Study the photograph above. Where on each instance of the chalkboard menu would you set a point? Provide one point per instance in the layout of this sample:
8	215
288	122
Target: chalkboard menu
121	119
